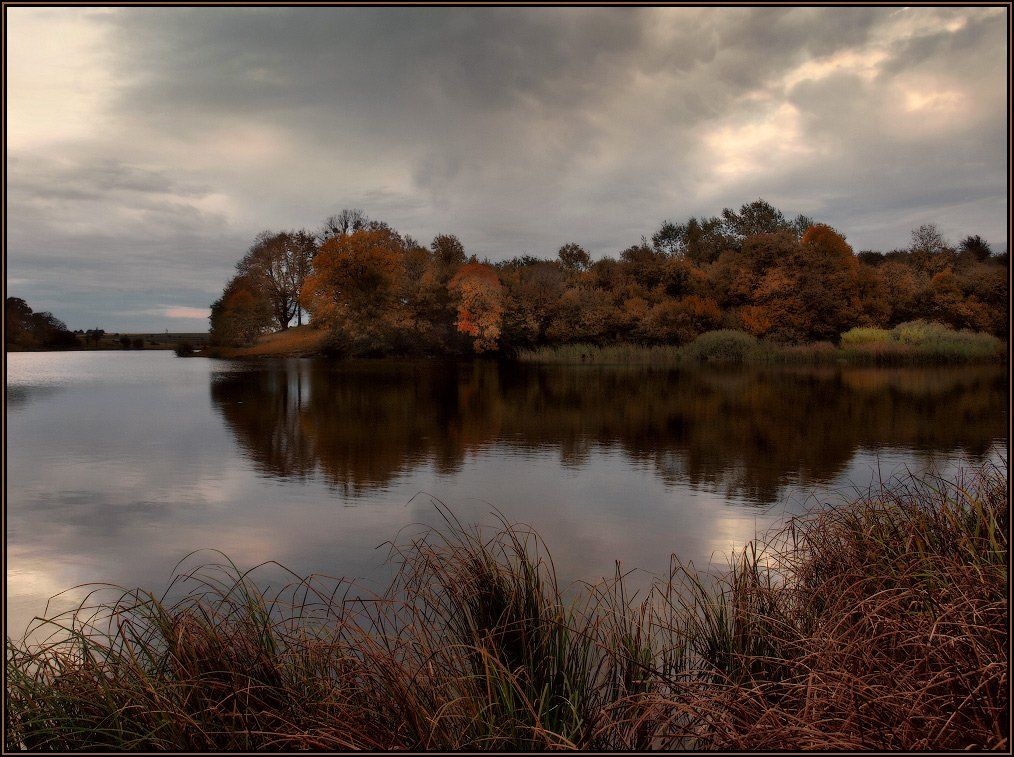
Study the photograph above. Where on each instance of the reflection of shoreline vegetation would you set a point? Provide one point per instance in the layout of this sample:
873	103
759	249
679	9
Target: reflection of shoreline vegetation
747	431
914	343
878	625
20	395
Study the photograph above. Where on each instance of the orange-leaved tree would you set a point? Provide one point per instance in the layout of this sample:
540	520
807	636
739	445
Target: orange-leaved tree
828	283
356	285
680	321
480	304
809	290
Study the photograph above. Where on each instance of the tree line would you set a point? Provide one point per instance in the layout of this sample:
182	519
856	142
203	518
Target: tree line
376	291
24	329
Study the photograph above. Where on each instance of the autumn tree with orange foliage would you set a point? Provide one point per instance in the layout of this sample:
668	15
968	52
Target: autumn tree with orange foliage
827	277
803	291
480	304
355	289
533	297
680	321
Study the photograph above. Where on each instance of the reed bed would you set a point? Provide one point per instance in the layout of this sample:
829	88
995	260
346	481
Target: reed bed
912	343
878	624
608	354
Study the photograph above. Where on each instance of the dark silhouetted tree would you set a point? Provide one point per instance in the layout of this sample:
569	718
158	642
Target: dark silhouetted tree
241	313
574	257
448	251
346	221
975	246
757	217
280	262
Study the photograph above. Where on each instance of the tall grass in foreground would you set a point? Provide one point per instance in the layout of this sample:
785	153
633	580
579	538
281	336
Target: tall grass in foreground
880	624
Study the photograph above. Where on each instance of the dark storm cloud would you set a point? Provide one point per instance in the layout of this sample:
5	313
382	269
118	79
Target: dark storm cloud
326	59
517	129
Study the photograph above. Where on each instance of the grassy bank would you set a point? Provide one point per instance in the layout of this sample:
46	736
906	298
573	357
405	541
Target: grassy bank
298	341
915	343
876	625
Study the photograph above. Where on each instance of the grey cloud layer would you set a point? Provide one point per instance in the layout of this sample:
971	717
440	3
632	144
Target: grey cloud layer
518	129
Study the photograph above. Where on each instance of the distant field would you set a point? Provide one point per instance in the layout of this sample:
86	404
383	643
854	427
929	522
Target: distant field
151	341
170	338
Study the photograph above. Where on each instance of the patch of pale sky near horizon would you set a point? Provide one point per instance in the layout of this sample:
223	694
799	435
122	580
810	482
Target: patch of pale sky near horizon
674	121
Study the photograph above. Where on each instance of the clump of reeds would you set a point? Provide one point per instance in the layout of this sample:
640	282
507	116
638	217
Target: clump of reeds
623	353
880	624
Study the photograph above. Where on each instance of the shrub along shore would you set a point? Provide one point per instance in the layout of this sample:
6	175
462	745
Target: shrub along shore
878	624
913	343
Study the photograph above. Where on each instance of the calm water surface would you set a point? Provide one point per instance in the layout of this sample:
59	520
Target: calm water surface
120	464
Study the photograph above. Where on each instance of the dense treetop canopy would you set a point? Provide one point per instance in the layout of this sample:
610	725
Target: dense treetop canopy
754	269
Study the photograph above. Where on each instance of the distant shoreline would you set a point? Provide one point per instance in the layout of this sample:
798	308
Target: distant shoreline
111	342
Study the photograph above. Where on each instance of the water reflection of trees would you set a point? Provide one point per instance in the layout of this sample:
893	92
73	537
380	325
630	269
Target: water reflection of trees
20	395
748	432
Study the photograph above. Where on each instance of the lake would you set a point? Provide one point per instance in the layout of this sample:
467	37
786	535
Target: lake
119	464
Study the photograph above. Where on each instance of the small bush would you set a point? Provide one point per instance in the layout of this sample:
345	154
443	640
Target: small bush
921	333
724	346
865	335
184	349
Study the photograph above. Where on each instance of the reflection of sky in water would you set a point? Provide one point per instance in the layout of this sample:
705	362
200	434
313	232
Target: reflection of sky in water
121	464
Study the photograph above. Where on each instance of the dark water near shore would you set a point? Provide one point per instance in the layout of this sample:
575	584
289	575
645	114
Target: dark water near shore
119	464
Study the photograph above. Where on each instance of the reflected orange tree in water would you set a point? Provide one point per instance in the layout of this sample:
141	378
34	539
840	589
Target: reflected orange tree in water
744	432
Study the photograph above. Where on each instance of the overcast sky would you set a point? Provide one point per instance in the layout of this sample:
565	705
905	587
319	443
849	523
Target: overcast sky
147	147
